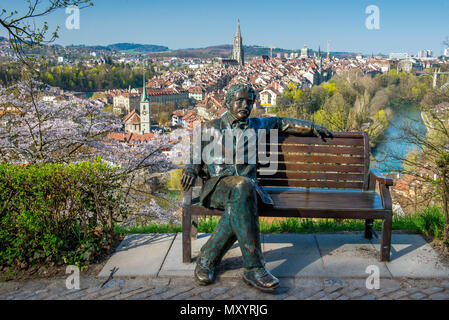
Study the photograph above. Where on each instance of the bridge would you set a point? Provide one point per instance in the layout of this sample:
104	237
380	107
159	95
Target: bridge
436	75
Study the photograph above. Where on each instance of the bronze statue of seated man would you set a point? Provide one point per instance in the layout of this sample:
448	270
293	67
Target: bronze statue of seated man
233	188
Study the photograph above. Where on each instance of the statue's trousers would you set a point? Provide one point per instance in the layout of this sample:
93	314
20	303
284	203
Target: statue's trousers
237	196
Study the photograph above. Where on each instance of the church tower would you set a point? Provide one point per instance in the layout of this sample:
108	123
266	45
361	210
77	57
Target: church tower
320	61
237	51
144	110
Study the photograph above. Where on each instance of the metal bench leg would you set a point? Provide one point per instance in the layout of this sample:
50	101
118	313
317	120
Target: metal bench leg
186	237
368	228
194	227
385	241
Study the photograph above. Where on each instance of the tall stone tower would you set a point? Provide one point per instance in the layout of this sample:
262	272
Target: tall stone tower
319	63
144	110
320	60
237	51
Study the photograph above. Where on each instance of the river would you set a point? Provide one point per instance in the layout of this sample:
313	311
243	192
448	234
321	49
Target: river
387	152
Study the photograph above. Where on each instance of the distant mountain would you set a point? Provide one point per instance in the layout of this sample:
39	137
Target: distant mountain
126	47
134	47
212	51
222	50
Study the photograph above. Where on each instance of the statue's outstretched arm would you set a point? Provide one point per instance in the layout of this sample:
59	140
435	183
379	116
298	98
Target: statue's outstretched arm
303	128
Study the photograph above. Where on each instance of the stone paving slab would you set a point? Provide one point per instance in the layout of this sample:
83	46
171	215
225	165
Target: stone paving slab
139	255
231	265
348	255
413	257
291	256
287	255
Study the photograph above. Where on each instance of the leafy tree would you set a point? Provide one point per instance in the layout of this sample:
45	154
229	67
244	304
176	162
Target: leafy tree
430	163
163	119
80	78
381	117
330	87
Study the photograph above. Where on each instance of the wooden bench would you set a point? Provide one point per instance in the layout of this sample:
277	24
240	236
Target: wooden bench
316	180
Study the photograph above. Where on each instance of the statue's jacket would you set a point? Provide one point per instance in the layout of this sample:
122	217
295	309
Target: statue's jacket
213	171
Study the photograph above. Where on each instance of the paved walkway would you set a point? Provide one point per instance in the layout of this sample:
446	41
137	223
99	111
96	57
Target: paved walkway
316	266
225	289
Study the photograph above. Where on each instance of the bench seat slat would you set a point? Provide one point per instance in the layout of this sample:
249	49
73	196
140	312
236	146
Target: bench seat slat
292	157
315	167
311	183
310	175
353	141
326	149
327	200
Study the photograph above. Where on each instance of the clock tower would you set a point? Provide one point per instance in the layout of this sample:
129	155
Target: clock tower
144	110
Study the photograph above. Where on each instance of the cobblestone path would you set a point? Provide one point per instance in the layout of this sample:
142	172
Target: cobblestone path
224	289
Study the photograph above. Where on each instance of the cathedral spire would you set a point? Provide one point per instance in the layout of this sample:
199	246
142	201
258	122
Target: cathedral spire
237	52
238	34
144	90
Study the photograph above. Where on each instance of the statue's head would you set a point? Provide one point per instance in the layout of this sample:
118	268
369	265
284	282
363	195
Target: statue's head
239	100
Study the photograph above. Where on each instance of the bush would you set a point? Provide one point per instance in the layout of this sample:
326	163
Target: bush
50	213
430	222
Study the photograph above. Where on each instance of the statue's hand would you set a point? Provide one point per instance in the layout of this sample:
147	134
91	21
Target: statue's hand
322	132
188	180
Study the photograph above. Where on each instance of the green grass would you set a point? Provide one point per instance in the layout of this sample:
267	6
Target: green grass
174	194
429	222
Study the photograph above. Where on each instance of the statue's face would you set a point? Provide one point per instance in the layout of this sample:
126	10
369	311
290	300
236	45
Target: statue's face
242	105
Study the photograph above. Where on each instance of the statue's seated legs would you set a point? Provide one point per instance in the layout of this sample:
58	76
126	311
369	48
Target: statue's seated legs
237	196
240	221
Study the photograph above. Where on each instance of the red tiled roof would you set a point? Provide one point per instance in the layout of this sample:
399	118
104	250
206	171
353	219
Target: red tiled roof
196	90
142	137
133	115
129	137
118	136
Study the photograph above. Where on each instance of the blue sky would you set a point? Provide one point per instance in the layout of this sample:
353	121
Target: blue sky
405	26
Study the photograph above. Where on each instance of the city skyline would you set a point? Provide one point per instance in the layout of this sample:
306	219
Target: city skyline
404	25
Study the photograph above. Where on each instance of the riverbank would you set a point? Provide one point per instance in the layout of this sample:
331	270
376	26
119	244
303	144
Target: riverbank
388	155
426	121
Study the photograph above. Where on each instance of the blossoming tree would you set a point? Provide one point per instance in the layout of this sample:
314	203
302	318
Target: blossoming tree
36	129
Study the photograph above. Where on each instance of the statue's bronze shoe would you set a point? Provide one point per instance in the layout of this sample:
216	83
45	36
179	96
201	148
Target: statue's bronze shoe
261	278
204	275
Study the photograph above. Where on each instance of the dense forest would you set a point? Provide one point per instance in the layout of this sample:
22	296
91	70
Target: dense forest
82	78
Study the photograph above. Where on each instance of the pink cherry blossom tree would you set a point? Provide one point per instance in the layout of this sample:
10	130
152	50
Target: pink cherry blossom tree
36	129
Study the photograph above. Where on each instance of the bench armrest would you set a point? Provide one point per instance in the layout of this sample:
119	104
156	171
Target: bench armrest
187	197
374	174
187	194
384	184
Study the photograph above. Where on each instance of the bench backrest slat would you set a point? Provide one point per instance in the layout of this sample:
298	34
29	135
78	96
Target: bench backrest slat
342	162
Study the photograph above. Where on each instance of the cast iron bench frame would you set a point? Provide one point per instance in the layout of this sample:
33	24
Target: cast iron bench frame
349	147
